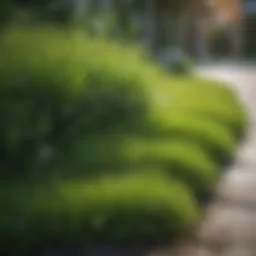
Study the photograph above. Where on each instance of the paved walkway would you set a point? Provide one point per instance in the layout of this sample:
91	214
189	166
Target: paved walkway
229	226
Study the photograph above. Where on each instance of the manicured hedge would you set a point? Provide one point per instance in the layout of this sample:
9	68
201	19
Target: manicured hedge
204	98
58	84
112	147
216	139
128	208
181	158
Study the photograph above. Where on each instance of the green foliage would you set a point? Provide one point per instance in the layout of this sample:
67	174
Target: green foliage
110	153
129	146
215	139
208	101
183	66
208	128
128	208
56	85
177	62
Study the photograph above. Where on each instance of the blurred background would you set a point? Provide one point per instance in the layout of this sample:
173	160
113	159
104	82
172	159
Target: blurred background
203	29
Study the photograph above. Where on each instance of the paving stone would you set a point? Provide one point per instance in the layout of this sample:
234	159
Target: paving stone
239	251
247	150
239	186
248	154
198	251
227	225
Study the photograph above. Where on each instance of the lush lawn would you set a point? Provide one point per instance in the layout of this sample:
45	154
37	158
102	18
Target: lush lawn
154	147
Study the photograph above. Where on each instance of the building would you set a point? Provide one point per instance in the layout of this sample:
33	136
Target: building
238	18
212	15
227	22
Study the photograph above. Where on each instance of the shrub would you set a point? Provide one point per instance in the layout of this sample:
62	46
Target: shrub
57	84
215	138
132	144
192	165
127	208
183	159
200	98
177	62
206	131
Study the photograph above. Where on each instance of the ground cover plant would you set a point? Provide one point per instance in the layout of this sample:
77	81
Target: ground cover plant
100	144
